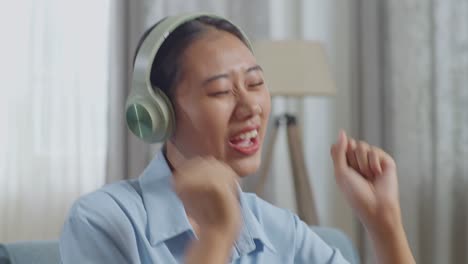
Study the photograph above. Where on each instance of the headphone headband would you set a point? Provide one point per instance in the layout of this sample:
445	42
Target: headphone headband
149	112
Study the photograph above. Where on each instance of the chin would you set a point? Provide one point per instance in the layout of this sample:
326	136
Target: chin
246	166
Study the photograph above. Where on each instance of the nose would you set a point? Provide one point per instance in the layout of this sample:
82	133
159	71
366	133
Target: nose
247	107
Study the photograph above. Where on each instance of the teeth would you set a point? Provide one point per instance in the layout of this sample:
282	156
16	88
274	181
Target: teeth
254	133
249	135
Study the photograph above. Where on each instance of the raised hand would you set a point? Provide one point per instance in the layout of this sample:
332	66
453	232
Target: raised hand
208	190
368	178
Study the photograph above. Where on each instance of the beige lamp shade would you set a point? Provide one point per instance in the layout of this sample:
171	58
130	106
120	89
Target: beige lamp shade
295	68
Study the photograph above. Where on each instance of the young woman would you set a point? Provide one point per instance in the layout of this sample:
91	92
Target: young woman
187	206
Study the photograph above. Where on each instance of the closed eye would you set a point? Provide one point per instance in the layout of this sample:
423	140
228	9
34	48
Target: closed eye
256	84
220	93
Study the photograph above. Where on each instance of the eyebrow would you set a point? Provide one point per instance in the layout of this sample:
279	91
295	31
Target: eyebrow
254	68
225	75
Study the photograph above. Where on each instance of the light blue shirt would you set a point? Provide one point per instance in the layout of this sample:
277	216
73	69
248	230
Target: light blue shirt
143	221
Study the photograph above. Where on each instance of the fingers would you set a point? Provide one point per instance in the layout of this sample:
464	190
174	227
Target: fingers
367	160
203	173
374	161
338	152
350	155
358	157
362	157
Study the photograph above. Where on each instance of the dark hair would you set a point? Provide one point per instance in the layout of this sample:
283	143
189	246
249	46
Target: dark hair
165	70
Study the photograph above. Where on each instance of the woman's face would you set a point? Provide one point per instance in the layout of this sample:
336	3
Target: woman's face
221	102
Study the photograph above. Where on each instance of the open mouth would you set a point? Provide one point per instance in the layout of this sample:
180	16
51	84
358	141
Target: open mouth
246	143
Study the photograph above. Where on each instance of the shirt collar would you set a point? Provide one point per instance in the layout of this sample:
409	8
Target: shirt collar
165	212
251	230
159	198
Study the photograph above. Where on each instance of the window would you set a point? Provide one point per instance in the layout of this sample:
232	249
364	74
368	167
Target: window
53	109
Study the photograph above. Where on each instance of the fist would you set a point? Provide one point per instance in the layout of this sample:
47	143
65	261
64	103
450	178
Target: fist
367	177
208	190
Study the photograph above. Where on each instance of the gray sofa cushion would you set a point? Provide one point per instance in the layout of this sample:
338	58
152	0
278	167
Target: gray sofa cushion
337	239
31	252
4	257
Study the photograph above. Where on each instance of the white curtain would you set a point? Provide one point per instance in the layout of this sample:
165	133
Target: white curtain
53	109
415	71
427	88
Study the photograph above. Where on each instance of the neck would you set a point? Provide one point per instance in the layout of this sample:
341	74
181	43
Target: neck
174	157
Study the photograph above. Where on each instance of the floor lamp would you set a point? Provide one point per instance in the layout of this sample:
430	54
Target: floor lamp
293	69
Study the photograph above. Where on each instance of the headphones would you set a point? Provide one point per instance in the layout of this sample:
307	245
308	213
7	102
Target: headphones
149	112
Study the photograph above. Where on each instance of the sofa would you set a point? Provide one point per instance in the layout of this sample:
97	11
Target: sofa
47	252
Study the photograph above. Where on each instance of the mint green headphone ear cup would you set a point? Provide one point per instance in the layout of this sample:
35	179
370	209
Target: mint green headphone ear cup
139	120
151	119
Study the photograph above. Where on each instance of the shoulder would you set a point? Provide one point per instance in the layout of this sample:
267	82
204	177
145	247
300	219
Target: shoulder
103	226
114	202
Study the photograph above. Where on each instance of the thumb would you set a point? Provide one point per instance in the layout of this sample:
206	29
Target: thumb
338	152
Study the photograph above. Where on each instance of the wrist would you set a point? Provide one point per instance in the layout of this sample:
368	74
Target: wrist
387	218
390	241
388	234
